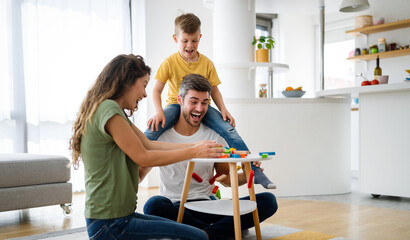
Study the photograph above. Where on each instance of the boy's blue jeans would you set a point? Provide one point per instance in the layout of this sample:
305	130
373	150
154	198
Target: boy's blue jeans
217	226
140	226
212	119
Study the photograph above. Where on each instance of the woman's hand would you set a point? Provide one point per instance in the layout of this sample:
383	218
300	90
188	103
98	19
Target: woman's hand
155	120
208	149
227	116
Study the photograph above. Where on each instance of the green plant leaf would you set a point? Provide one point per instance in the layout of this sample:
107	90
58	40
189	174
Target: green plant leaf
259	45
268	46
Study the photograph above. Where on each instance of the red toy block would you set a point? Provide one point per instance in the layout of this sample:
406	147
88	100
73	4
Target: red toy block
212	180
250	179
196	177
215	189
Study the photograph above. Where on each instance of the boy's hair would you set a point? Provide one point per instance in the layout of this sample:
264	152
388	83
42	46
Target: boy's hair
194	82
187	23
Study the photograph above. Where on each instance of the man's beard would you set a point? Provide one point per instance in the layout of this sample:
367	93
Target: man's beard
187	117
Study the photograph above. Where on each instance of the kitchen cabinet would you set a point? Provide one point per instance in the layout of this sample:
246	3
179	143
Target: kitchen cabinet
384	136
380	28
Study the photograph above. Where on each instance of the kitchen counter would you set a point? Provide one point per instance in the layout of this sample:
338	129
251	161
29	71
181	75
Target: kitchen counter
283	100
372	89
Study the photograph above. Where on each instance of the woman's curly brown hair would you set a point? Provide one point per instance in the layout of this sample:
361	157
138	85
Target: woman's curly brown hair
118	75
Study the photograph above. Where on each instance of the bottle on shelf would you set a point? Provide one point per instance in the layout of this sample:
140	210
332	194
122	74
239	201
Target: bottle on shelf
377	70
381	44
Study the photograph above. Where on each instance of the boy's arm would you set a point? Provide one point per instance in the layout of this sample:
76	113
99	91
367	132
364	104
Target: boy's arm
154	121
219	102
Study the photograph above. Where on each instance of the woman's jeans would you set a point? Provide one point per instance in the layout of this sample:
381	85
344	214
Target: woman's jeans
217	226
140	226
212	119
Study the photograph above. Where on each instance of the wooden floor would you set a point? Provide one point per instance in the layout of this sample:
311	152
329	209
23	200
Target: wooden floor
343	220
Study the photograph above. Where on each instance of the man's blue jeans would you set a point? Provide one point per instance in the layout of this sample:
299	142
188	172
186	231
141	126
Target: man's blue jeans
217	226
139	226
212	119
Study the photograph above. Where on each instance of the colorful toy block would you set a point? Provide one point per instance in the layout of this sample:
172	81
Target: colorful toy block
218	194
196	177
215	189
250	179
269	153
240	152
221	178
212	180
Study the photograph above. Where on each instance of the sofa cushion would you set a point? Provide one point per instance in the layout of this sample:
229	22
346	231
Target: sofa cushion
35	196
21	169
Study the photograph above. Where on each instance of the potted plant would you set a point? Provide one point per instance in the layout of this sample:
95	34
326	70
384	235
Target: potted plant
264	44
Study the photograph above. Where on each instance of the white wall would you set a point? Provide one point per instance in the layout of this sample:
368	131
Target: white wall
392	11
159	26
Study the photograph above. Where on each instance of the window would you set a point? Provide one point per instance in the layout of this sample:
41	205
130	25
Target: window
338	72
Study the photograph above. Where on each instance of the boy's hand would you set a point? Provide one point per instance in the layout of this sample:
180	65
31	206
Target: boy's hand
257	164
227	116
155	120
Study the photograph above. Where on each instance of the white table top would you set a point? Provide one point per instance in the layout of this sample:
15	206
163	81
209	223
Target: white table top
221	207
249	158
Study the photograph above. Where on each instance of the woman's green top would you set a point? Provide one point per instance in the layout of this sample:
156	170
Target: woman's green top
111	177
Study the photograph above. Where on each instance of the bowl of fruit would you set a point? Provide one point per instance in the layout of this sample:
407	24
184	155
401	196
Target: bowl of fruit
291	92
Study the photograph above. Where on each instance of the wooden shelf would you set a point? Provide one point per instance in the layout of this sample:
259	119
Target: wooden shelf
380	28
388	54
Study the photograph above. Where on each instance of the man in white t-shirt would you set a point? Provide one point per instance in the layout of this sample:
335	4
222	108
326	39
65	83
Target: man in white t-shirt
194	99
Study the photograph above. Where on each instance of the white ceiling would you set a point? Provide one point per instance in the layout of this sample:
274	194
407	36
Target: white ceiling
297	6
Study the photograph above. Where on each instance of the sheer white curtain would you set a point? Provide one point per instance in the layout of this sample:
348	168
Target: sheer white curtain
66	44
7	125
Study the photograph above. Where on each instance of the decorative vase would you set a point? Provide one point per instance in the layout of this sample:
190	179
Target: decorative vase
262	55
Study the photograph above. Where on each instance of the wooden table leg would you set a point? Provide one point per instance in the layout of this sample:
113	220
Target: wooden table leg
185	190
253	198
235	201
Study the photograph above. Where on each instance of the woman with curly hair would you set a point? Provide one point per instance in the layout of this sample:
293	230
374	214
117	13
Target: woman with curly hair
117	156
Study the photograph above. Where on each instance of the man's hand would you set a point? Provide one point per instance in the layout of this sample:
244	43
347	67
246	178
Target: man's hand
155	120
227	116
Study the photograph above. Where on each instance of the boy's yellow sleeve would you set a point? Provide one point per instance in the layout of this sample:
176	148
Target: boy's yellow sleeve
163	73
213	76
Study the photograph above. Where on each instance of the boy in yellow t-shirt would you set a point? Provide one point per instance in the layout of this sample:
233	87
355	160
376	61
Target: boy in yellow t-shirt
173	69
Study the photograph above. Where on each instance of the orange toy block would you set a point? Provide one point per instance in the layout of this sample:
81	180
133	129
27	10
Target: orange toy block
215	189
240	152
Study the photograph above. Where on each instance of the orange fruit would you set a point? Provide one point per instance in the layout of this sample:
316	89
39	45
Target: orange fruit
289	89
